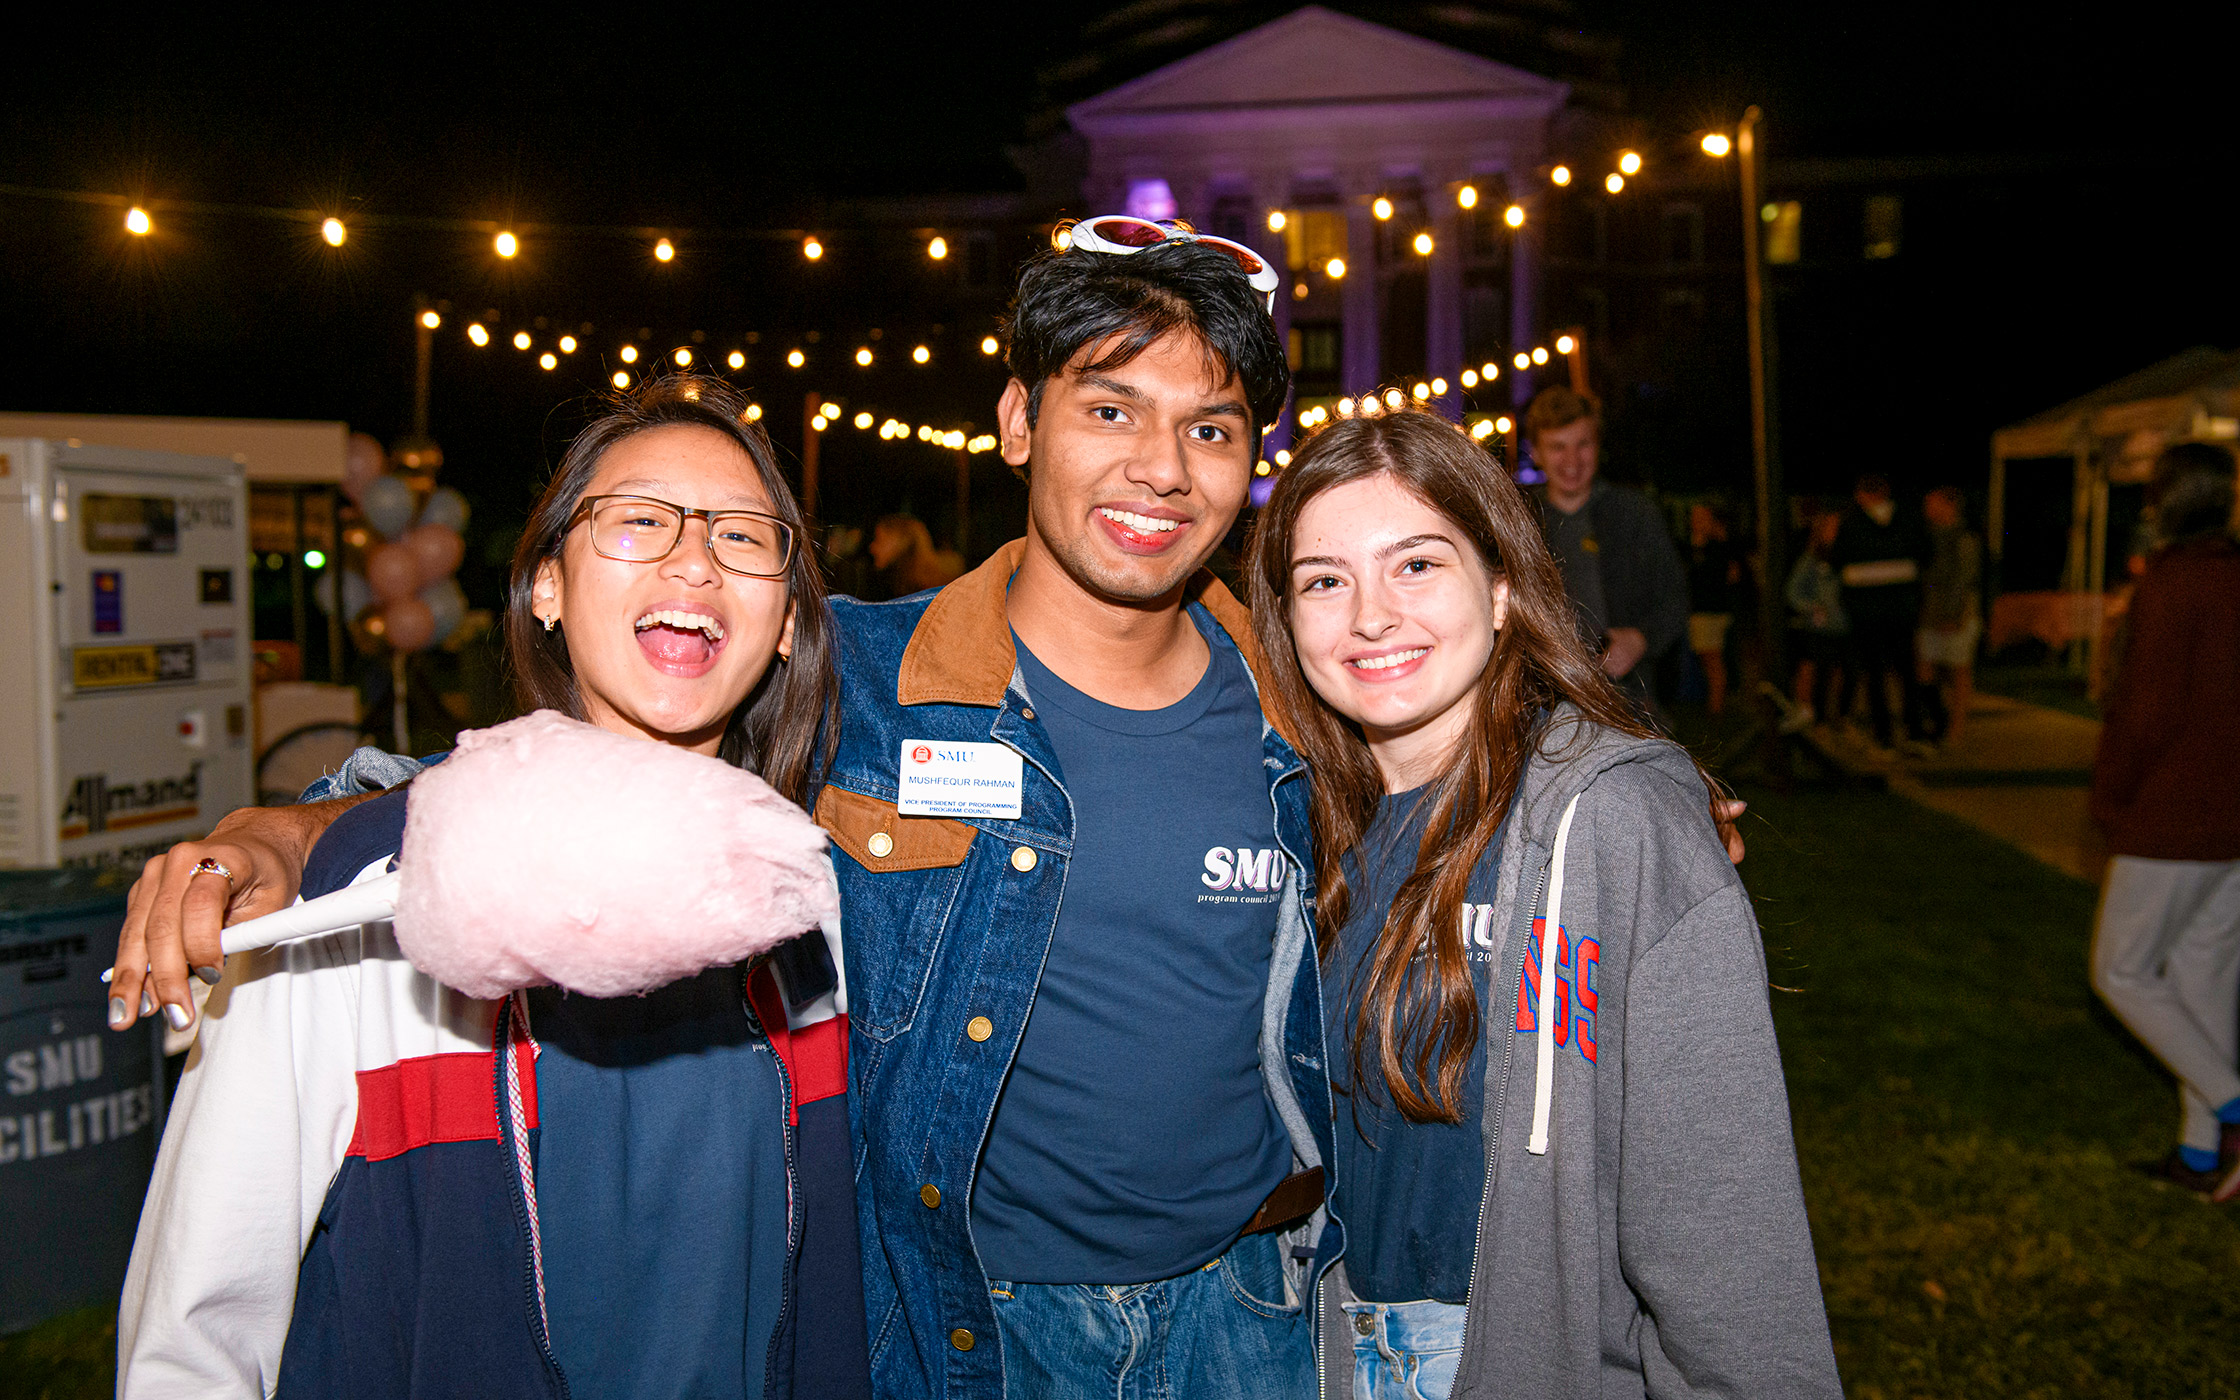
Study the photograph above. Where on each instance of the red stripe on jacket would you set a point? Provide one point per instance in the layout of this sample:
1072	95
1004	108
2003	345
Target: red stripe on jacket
816	1056
434	1098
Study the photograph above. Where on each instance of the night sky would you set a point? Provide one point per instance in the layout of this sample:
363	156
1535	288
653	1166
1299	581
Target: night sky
691	117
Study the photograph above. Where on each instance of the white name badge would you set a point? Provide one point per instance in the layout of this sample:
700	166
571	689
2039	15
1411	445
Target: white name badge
940	778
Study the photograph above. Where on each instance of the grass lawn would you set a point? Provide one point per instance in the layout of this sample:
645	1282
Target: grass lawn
1967	1118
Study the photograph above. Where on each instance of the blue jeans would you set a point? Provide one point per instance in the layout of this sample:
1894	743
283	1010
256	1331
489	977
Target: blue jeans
1222	1332
1405	1351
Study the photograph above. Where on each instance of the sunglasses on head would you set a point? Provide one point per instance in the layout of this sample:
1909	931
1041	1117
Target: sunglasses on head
1125	233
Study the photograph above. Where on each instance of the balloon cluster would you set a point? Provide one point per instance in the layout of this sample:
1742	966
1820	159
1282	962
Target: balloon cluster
406	597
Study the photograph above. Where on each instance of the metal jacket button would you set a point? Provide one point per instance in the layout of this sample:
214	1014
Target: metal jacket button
961	1340
979	1028
931	1195
1364	1324
880	844
1022	859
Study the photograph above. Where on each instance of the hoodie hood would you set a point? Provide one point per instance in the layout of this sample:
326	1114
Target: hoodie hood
1571	753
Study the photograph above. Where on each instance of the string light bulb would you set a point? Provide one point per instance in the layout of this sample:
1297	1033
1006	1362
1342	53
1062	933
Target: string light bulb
506	244
664	251
737	359
1613	182
795	359
1061	237
1561	175
820	422
1393	398
1438	388
1502	424
430	319
1482	429
1513	216
549	360
1523	360
828	410
1539	354
333	231
754	413
1276	220
1421	392
520	338
629	354
1335	269
137	222
683	356
811	248
1345	408
938	248
567	345
621	379
1469	379
1629	163
862	421
1423	244
1715	143
478	334
1283	458
1382	208
1467	196
989	345
1565	345
863	357
1489	371
921	354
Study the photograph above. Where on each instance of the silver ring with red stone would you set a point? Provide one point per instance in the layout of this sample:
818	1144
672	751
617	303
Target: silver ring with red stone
207	866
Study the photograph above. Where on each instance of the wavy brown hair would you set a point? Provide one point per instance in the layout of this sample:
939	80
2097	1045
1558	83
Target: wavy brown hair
776	730
1419	1013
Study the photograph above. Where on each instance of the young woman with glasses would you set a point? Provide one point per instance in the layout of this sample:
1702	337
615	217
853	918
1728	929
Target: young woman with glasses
349	1204
1563	1151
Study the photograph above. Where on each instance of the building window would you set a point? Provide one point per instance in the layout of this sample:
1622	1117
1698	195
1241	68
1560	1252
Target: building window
1314	350
1312	237
1784	230
1885	225
1683	235
1151	199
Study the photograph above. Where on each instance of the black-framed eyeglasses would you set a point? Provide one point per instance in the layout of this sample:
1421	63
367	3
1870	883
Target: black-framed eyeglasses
645	530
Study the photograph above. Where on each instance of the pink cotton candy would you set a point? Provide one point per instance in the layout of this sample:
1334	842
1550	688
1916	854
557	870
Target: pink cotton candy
548	851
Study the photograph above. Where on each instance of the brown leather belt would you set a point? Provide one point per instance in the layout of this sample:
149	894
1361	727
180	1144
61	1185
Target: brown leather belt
1295	1198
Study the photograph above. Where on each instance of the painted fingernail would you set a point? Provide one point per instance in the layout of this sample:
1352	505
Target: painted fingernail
210	975
147	1002
106	974
119	1013
178	1016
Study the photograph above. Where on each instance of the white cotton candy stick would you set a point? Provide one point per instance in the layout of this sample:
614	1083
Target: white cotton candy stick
370	901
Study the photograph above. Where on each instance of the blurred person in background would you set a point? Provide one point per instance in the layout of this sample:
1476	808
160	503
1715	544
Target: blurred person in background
1620	568
904	559
2166	791
1951	617
1877	557
1815	598
1714	580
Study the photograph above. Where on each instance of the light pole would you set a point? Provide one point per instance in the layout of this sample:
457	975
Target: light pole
1765	442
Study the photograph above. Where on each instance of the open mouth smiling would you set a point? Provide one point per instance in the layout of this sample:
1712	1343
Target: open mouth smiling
681	642
1389	661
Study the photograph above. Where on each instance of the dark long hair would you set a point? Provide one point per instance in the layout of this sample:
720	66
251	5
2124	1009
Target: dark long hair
1419	1005
775	731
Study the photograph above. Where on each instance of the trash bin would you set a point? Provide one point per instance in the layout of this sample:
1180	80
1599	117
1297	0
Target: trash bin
81	1108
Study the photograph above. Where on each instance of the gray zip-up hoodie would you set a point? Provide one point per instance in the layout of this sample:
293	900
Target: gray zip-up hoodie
1643	1232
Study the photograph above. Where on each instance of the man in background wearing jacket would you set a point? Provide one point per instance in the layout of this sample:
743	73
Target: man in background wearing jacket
1619	564
2166	790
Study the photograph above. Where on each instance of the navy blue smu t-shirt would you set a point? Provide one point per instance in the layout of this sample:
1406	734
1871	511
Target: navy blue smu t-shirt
1134	1137
1410	1192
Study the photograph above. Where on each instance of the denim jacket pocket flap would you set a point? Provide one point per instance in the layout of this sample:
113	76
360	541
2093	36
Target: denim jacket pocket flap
882	839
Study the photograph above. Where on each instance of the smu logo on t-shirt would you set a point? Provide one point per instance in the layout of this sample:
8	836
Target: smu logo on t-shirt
1576	996
1243	868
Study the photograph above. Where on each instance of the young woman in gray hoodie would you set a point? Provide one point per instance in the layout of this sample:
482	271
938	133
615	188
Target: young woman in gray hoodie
1564	1161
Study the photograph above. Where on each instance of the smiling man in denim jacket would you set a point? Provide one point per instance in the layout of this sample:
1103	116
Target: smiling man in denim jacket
1090	1081
1086	1057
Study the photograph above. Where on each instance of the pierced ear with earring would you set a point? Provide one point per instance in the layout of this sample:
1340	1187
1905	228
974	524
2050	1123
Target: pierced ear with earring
550	623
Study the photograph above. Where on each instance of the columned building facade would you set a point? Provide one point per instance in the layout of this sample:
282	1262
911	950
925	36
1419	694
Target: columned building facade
1375	169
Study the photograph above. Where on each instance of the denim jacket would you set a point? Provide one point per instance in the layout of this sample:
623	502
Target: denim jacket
949	921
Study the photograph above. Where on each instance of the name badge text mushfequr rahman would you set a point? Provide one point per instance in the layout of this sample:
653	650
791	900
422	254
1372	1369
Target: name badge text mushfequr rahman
942	778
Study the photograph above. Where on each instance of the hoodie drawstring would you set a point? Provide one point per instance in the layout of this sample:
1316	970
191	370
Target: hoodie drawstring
1551	933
